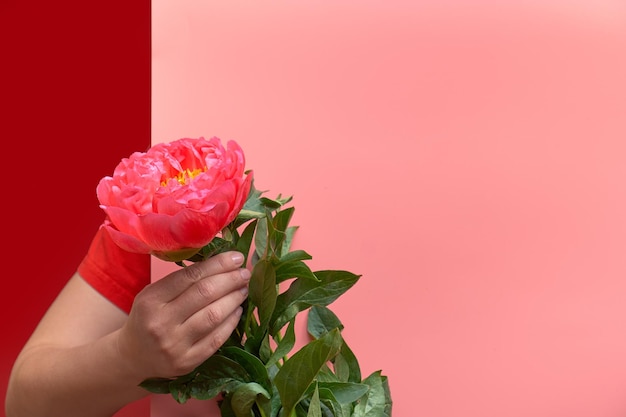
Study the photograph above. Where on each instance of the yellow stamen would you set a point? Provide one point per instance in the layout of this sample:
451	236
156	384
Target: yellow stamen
184	176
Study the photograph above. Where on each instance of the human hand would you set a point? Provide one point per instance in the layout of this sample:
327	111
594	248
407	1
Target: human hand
185	317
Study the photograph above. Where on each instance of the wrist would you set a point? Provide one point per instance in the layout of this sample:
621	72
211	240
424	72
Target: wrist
128	364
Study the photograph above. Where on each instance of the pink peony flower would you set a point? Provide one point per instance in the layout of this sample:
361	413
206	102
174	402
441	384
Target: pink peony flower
175	198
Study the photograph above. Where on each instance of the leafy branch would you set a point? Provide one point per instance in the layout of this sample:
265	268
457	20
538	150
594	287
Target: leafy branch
255	373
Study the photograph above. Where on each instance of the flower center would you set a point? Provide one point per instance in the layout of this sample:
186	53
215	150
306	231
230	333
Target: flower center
184	176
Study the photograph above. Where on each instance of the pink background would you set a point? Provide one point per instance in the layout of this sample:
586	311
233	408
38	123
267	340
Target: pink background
466	157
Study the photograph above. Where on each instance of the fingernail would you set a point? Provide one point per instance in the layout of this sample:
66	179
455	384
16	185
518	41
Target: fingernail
245	274
244	290
237	258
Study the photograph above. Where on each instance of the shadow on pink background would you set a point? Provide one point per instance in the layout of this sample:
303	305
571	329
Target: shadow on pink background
467	158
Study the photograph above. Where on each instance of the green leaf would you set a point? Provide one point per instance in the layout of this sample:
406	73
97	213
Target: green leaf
321	320
216	374
263	291
270	204
215	246
304	293
277	232
282	219
253	202
276	239
275	404
339	397
289	235
246	215
245	396
346	365
253	208
296	255
326	375
261	238
179	387
341	367
327	397
204	389
157	385
284	346
300	370
387	391
254	367
294	269
345	392
245	240
315	409
302	409
226	409
255	341
265	350
377	402
275	203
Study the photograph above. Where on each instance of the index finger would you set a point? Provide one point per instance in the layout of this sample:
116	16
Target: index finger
173	284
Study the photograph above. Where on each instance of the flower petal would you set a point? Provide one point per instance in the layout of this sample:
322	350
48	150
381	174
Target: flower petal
126	241
196	229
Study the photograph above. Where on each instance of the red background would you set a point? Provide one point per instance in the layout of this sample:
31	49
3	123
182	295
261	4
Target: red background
75	76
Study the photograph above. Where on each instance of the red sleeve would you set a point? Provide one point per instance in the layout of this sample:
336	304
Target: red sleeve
115	273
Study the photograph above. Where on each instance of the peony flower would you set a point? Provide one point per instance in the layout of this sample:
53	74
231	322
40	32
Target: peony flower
175	198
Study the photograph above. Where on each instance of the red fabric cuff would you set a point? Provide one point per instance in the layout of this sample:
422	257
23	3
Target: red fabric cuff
115	273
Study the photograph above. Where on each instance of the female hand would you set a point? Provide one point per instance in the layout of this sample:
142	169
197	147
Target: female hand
185	317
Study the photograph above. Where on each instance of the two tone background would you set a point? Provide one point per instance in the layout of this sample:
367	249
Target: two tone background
466	157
